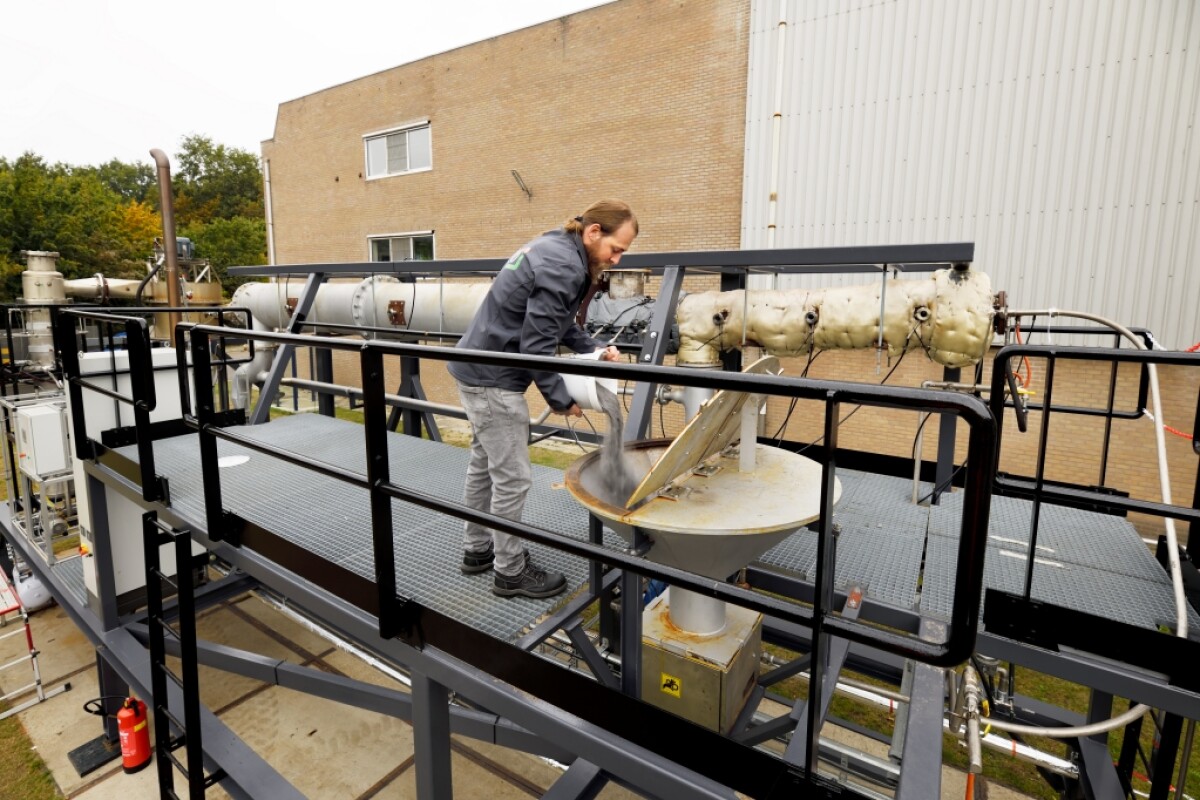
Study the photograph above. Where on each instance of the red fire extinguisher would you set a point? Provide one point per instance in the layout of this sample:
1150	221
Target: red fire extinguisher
135	735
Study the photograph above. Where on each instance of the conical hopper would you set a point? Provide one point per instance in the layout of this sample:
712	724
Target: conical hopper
714	519
702	513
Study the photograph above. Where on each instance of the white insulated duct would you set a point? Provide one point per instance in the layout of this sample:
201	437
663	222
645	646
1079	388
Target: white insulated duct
380	301
949	315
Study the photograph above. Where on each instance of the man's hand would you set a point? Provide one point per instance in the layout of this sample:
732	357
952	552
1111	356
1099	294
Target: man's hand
573	411
610	353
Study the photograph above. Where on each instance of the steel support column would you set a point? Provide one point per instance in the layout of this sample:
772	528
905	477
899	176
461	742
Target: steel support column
431	738
652	352
947	431
1097	772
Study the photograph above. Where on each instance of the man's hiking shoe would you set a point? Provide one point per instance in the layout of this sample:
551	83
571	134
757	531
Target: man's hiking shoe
530	582
474	563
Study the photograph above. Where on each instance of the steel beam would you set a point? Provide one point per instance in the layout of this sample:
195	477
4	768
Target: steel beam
262	408
921	769
248	776
582	781
907	257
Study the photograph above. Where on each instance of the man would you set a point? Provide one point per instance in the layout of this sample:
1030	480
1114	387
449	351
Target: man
530	309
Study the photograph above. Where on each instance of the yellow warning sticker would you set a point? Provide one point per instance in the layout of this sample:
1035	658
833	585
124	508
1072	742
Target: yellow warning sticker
671	685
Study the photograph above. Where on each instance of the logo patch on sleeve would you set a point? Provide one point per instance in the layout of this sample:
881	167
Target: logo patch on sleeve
517	258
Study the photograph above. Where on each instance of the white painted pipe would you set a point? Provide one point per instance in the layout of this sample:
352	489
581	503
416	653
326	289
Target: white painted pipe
377	301
695	613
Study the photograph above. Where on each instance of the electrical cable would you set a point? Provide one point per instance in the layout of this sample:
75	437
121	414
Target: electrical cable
856	409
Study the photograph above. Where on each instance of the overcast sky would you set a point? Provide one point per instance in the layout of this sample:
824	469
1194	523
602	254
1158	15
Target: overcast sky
86	81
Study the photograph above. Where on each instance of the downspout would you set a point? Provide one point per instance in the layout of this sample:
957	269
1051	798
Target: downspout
266	164
777	123
167	204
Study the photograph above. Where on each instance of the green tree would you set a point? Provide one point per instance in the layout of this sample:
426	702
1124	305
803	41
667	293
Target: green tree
52	207
213	182
133	182
239	241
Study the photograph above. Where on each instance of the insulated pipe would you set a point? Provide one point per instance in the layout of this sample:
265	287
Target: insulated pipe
167	204
948	315
101	288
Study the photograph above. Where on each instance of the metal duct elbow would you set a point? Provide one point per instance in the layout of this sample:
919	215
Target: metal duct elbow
948	315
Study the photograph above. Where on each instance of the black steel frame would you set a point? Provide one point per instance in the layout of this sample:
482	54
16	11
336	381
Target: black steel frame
426	629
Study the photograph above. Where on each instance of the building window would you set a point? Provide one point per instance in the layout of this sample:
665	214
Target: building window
399	151
408	247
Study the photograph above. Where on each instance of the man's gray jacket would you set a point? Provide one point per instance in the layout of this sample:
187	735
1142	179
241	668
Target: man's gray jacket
530	309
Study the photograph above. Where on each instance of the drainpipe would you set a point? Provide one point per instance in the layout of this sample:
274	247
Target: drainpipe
167	204
777	123
266	167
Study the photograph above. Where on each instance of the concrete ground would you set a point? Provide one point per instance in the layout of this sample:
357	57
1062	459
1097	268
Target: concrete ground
326	750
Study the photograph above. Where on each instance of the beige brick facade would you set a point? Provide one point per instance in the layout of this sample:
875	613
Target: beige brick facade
643	100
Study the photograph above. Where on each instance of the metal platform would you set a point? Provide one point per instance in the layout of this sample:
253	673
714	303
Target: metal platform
902	554
332	519
1096	563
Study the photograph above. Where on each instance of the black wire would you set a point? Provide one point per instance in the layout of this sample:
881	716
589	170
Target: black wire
858	407
662	421
611	325
812	356
918	435
942	487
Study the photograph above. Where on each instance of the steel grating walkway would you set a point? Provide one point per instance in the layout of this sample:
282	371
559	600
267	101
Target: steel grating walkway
900	553
1090	562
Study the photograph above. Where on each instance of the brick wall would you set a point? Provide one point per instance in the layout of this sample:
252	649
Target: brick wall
643	100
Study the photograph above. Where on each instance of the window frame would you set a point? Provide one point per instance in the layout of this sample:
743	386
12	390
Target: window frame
405	128
390	237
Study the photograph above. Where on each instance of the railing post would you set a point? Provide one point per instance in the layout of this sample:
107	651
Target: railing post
1040	478
823	591
214	512
378	474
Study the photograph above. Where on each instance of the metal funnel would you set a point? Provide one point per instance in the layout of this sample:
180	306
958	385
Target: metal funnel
714	519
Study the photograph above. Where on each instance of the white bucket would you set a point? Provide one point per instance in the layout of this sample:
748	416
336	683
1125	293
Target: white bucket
583	388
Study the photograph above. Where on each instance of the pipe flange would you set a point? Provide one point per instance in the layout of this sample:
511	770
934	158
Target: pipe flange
362	307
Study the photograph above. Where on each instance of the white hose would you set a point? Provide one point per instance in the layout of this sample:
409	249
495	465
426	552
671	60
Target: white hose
1181	620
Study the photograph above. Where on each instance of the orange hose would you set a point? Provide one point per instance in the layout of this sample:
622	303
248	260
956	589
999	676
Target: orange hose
1028	376
970	786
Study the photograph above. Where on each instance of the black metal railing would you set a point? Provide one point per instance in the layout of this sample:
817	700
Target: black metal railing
139	371
389	606
1036	487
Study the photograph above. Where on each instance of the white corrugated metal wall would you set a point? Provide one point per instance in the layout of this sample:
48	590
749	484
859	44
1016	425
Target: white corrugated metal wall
1058	135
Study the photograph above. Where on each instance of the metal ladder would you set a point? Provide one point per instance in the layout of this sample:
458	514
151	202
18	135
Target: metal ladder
156	534
10	602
